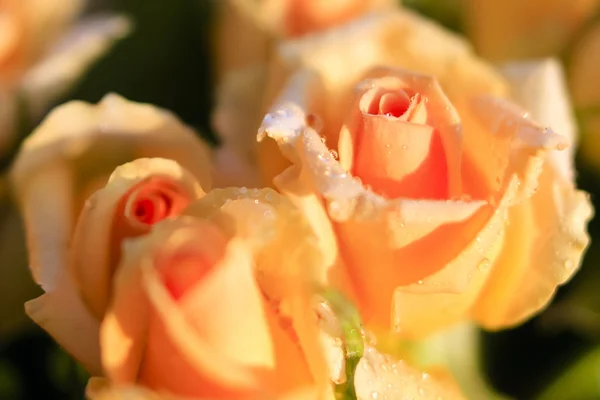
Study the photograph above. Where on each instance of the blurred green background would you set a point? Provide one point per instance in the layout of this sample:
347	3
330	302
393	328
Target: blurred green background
166	61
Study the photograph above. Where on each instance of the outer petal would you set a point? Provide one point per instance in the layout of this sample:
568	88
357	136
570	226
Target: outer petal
106	220
57	167
546	234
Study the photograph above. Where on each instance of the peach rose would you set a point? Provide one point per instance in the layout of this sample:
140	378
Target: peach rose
189	317
442	211
323	68
70	156
42	53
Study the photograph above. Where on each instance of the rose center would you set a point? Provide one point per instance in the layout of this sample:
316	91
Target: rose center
397	152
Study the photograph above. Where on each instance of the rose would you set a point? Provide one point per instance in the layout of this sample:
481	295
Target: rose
69	157
42	53
188	315
452	217
324	67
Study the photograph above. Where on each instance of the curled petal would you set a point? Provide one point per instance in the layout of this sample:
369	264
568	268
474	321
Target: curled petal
137	195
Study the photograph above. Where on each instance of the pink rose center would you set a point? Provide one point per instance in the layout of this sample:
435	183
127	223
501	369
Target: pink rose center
396	152
154	200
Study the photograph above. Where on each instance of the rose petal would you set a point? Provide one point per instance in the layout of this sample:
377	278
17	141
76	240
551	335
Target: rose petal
544	247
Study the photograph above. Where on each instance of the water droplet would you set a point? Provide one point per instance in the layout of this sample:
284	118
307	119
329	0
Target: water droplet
374	395
568	264
243	190
421	391
420	282
404	147
484	265
334	154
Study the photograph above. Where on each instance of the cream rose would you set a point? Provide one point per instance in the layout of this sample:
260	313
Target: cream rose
69	157
442	210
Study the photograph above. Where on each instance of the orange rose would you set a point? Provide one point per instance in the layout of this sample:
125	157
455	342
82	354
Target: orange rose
70	156
441	212
42	53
